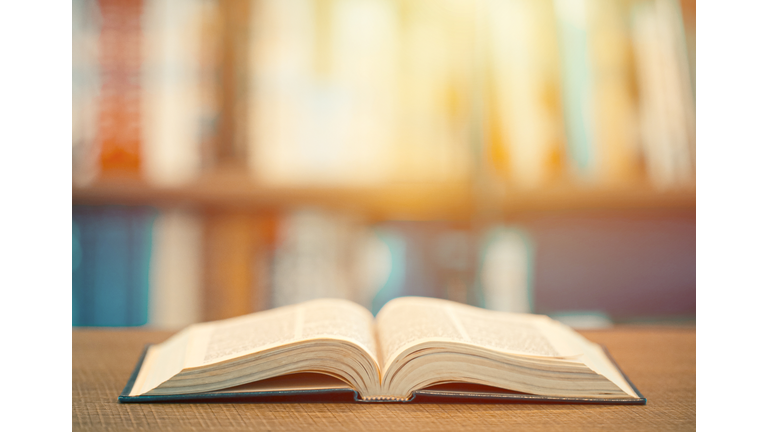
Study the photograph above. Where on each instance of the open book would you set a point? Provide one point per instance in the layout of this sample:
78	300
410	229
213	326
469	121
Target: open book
414	347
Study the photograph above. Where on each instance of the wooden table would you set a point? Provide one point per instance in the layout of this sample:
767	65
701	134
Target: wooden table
661	361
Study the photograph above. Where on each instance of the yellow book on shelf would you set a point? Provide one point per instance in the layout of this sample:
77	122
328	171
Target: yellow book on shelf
526	137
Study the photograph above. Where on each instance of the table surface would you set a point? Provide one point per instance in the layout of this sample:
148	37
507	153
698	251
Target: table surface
660	361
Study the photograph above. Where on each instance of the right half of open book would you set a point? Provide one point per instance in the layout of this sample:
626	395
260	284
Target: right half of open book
426	342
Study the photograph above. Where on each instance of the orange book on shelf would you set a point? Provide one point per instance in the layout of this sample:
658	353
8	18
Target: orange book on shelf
236	245
119	115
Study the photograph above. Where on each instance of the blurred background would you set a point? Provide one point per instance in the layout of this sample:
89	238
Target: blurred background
518	155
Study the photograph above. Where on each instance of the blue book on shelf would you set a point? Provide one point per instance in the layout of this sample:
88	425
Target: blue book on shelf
576	76
504	280
428	259
111	249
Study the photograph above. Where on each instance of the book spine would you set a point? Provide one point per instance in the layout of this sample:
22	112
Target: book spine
233	85
171	96
435	102
428	259
688	11
526	140
357	56
684	77
395	265
85	88
506	270
665	94
309	258
233	245
375	261
616	137
82	240
141	225
176	270
120	61
209	39
282	52
110	283
578	102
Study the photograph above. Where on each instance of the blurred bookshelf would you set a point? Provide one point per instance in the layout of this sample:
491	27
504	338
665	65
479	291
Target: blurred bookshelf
377	148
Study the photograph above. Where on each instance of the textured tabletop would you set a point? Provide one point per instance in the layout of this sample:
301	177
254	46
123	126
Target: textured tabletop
660	361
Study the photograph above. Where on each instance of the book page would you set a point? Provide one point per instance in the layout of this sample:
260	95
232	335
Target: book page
326	318
407	321
162	361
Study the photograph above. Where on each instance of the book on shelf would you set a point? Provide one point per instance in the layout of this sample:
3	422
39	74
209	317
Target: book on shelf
85	89
175	270
577	85
666	106
525	139
506	269
174	110
427	259
598	101
312	257
415	348
321	254
111	248
106	89
617	140
235	245
119	125
688	11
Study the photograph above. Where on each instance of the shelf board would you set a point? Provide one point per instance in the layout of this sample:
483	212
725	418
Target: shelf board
412	201
423	201
572	197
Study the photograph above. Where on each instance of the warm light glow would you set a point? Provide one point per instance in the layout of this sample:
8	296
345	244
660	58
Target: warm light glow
365	149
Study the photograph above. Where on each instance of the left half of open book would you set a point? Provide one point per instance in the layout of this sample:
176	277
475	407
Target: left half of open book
415	349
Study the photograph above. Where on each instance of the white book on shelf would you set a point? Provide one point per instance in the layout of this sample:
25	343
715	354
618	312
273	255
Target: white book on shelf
506	270
282	49
85	90
666	100
361	70
309	258
171	91
616	128
683	82
323	254
523	67
436	45
175	288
